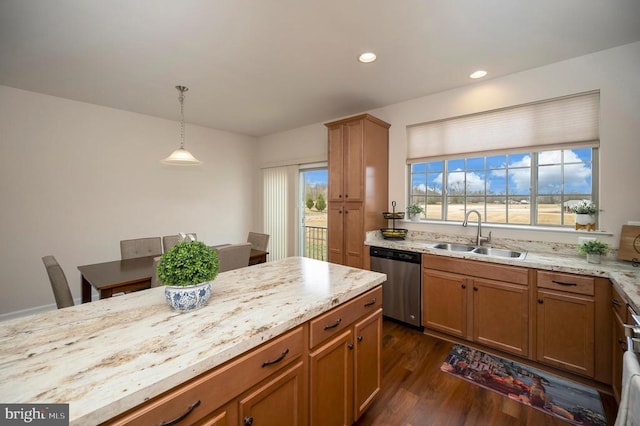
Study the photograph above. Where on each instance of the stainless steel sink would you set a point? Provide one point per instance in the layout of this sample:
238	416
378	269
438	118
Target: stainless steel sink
486	251
491	251
453	247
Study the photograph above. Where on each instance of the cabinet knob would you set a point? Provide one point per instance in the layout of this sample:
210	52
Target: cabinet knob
463	286
346	195
360	338
350	345
346	212
540	301
248	421
475	289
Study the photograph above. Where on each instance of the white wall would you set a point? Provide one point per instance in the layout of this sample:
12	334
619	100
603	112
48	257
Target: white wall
77	178
614	72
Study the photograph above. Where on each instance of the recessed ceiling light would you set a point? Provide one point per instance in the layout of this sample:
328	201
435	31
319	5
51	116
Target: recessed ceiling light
478	74
367	57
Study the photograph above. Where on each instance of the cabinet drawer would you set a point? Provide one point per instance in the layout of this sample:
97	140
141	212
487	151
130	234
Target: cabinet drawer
338	319
476	268
566	282
619	304
213	389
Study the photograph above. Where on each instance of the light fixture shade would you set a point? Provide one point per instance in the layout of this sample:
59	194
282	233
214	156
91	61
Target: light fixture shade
181	157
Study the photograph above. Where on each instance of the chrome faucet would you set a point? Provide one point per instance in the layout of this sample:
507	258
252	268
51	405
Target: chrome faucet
479	238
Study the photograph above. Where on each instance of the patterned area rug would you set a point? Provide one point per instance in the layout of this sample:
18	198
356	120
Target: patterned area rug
556	396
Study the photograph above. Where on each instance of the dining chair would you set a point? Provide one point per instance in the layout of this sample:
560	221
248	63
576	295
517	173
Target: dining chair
258	241
140	247
155	281
59	283
233	256
168	241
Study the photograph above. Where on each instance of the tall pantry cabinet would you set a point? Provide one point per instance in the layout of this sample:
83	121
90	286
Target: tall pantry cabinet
358	186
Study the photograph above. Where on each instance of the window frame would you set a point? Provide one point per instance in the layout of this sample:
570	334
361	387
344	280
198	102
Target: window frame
533	195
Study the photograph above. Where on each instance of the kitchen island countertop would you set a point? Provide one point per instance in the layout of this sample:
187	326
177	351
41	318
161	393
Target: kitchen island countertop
108	356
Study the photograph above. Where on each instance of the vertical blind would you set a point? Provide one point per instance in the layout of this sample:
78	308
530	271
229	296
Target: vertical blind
571	119
275	210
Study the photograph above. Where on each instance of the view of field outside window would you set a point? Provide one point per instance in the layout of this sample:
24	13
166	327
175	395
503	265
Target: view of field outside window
314	213
531	188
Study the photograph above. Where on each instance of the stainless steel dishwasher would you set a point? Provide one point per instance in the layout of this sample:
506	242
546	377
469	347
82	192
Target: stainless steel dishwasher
402	292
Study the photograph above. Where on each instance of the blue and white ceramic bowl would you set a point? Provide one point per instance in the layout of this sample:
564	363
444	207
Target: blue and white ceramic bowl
189	298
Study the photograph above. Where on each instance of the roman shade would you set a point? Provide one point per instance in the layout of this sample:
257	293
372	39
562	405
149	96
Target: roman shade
567	120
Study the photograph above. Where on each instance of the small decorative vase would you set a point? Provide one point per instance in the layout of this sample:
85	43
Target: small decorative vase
188	298
594	258
415	217
586	221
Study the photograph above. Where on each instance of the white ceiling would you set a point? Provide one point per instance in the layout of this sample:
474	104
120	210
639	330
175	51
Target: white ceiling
256	67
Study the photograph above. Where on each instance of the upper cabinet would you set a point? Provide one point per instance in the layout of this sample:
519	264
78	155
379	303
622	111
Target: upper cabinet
358	185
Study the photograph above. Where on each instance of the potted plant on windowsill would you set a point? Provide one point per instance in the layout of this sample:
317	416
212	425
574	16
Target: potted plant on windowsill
186	271
414	211
585	215
594	250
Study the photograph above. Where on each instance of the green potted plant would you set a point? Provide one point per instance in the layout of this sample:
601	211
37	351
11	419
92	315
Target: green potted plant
414	211
594	250
186	271
585	214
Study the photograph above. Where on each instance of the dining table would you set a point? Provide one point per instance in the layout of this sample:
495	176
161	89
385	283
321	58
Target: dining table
119	276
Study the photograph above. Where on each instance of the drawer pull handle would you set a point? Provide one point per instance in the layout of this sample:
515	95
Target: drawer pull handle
615	302
182	416
372	302
277	360
334	325
564	283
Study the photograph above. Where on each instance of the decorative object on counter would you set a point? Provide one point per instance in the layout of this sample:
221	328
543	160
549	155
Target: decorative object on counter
554	395
186	271
594	250
181	156
414	211
629	248
585	215
393	233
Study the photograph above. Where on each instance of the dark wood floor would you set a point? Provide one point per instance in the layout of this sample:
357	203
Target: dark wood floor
416	393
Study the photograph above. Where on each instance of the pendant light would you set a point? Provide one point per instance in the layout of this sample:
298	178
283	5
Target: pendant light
181	156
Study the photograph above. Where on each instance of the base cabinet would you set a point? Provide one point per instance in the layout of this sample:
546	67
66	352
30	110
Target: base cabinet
485	310
565	331
345	361
278	402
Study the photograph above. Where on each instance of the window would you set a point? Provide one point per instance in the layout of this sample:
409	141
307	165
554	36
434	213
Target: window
536	161
530	188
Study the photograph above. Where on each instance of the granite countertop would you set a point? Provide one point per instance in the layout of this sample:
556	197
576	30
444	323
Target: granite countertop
553	257
106	357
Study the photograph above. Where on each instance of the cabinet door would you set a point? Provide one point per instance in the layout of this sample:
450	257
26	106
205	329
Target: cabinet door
353	235
619	346
280	401
367	361
565	331
225	416
335	229
331	382
353	141
501	316
444	302
336	164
